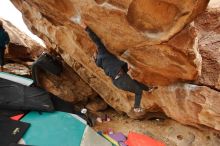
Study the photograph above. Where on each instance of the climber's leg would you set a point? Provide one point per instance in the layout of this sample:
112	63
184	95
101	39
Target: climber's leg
125	82
2	57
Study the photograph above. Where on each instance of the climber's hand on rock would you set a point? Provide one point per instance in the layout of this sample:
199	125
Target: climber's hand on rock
94	56
129	72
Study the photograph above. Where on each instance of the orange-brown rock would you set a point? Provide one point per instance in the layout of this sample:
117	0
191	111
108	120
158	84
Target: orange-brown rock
69	45
21	46
96	105
208	25
167	63
187	103
176	60
17	68
119	41
162	19
69	86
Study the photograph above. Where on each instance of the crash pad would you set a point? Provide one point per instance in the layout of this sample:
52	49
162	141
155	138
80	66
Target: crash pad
53	129
15	96
119	137
17	117
17	79
135	139
11	131
115	143
92	138
60	129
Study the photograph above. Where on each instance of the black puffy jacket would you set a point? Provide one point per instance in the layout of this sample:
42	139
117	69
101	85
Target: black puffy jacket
106	60
4	37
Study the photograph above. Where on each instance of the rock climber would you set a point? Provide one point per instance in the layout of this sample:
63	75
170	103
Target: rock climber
4	41
46	62
117	70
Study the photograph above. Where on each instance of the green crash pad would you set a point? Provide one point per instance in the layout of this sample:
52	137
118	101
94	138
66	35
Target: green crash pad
53	129
17	79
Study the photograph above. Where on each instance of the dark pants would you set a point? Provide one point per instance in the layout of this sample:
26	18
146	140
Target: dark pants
2	55
126	83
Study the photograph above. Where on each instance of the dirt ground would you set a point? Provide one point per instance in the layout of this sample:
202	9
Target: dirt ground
168	131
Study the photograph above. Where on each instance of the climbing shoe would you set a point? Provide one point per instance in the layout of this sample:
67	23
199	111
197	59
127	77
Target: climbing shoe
137	113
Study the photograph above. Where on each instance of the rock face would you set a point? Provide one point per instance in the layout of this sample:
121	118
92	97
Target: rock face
161	19
68	86
209	45
162	52
97	105
119	41
187	103
181	60
21	45
23	50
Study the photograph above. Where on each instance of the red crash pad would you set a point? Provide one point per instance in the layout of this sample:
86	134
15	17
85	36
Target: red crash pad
135	139
17	117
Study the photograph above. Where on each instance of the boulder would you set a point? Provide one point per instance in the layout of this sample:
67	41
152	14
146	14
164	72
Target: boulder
209	46
162	19
97	105
170	60
24	50
21	46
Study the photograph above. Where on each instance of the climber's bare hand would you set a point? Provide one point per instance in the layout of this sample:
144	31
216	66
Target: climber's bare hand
129	67
94	56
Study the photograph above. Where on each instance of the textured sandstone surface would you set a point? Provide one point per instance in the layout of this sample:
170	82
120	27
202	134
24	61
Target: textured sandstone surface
23	50
119	41
187	103
21	45
161	19
96	105
208	25
168	131
176	60
68	86
170	63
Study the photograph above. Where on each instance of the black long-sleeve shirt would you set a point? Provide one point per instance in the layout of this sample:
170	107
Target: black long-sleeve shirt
4	37
107	61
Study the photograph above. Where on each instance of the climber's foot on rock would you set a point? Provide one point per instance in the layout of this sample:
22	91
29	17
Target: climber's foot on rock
137	113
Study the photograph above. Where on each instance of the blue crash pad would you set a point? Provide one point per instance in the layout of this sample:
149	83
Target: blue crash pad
17	79
53	129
